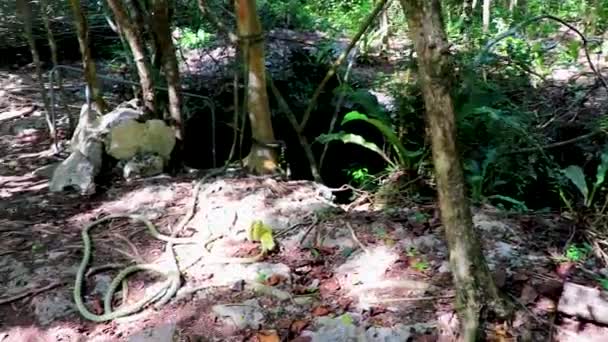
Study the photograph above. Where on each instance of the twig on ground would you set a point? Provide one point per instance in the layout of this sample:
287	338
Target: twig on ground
354	236
31	292
411	299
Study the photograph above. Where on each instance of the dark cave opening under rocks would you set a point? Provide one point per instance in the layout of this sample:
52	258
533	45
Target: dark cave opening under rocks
199	145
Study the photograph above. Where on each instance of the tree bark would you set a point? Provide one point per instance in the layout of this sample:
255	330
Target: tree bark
46	9
88	64
475	287
25	9
162	29
262	158
134	39
487	4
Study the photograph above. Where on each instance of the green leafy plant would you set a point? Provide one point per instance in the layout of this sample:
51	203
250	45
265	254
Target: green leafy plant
420	265
577	253
405	157
360	176
576	175
194	39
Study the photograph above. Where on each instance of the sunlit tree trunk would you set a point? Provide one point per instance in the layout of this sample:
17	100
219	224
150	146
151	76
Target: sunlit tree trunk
384	28
138	49
475	288
487	4
161	24
262	158
88	64
25	10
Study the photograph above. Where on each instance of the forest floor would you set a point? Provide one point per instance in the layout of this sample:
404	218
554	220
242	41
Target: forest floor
340	272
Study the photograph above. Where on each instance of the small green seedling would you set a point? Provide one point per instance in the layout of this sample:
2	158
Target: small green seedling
575	253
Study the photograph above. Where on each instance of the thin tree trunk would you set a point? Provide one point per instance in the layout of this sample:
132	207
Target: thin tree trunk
162	29
134	38
88	64
262	157
384	28
475	288
25	9
487	4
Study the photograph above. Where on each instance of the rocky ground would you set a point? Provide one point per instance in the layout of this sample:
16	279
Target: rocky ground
338	272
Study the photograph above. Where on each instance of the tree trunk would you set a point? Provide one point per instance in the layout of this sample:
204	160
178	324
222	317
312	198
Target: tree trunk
90	74
475	288
25	9
46	9
384	28
134	38
162	29
262	158
487	4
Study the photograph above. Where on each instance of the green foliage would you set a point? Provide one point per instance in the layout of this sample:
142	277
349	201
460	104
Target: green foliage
190	39
576	175
577	253
360	176
405	158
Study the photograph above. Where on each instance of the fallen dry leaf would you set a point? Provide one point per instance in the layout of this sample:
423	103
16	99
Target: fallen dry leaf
274	280
320	311
268	336
528	294
297	326
500	277
520	277
564	269
329	286
302	339
376	310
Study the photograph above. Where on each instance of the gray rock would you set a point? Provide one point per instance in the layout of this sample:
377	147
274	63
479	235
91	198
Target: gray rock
345	330
53	306
114	131
244	315
146	165
77	172
129	138
335	330
161	333
45	171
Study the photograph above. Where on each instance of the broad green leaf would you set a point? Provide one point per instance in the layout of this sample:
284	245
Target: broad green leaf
575	175
601	170
403	154
349	138
370	105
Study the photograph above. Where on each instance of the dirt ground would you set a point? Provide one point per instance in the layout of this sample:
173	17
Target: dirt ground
339	272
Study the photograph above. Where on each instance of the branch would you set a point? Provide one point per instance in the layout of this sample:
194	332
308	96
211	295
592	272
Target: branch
557	144
294	122
539	18
332	70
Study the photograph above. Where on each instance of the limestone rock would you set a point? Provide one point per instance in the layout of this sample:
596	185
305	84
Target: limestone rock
245	315
162	333
125	140
158	138
143	166
77	172
131	137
